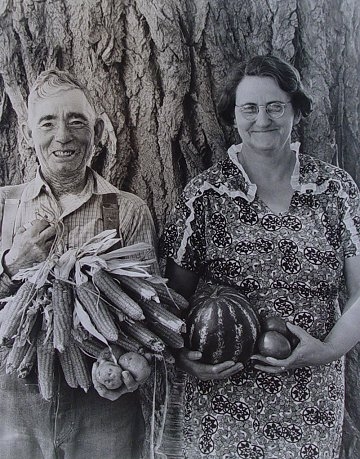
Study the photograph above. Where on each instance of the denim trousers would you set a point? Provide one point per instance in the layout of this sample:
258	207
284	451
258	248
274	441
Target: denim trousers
73	425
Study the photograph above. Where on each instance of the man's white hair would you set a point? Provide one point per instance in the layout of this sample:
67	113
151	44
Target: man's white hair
49	82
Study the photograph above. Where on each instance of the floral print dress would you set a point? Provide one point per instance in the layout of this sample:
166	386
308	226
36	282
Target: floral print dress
289	265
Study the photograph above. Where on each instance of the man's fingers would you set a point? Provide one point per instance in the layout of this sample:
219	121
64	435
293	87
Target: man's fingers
48	233
36	225
37	228
129	381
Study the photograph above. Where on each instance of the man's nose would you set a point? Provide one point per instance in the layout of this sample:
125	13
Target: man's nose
62	134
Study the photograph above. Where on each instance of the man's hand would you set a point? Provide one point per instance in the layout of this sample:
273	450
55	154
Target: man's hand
130	385
309	352
188	361
132	375
31	245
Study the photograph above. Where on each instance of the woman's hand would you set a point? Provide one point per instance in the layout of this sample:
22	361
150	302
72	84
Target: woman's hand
309	352
188	361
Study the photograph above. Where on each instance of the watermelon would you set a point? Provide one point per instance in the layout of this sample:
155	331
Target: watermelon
222	325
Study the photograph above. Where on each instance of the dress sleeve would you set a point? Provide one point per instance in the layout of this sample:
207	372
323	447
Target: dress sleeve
350	211
183	239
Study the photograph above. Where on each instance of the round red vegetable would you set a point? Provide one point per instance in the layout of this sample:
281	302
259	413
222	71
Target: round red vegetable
222	325
274	344
278	324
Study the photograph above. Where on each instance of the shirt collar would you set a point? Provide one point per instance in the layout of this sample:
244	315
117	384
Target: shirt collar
94	185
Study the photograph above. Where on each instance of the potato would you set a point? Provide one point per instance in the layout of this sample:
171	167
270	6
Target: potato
109	374
136	364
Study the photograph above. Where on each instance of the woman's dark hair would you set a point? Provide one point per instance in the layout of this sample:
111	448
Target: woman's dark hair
287	77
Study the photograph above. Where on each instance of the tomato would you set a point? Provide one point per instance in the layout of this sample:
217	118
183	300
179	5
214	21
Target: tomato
275	323
273	344
278	324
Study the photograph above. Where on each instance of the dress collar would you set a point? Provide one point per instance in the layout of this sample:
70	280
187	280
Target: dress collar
249	188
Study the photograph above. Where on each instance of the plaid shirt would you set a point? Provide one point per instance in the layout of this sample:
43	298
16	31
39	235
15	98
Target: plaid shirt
82	215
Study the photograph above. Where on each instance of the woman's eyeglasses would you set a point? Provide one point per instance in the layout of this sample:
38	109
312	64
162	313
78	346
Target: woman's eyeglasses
274	110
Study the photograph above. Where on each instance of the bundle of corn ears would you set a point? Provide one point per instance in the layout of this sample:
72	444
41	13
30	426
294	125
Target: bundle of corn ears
75	305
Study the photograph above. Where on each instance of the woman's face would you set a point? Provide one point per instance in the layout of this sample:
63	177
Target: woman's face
263	133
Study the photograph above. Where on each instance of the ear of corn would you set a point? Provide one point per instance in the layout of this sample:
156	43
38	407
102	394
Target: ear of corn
116	312
13	311
28	361
15	356
146	337
168	296
114	293
79	365
29	323
62	303
158	313
170	337
45	364
91	347
138	287
67	368
129	344
97	310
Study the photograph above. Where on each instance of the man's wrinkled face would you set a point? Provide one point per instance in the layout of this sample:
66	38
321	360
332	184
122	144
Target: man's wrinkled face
61	128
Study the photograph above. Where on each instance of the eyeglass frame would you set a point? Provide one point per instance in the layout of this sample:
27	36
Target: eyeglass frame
271	116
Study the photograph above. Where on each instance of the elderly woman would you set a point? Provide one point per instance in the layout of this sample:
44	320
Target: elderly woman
283	228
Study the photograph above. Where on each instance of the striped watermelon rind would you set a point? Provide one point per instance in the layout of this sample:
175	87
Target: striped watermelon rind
222	325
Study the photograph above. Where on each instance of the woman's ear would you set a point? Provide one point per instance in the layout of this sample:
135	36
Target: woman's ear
27	133
98	130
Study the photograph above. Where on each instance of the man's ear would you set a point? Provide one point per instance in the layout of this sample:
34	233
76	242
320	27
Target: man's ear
98	129
26	131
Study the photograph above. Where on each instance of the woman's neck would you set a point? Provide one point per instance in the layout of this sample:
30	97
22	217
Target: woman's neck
269	166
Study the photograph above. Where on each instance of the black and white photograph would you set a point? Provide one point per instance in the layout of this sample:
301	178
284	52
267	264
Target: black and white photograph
179	229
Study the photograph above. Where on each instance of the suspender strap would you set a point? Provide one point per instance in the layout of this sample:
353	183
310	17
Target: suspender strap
11	204
8	223
110	210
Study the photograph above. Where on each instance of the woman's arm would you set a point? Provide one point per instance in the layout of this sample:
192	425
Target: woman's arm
346	332
181	280
343	336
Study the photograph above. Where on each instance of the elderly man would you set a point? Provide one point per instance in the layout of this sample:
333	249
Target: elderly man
63	128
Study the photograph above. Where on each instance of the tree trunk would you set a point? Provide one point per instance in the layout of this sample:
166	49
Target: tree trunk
155	68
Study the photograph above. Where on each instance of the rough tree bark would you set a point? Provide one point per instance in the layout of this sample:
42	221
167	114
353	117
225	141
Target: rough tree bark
155	67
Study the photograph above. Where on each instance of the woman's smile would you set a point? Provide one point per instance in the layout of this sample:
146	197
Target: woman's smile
263	133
